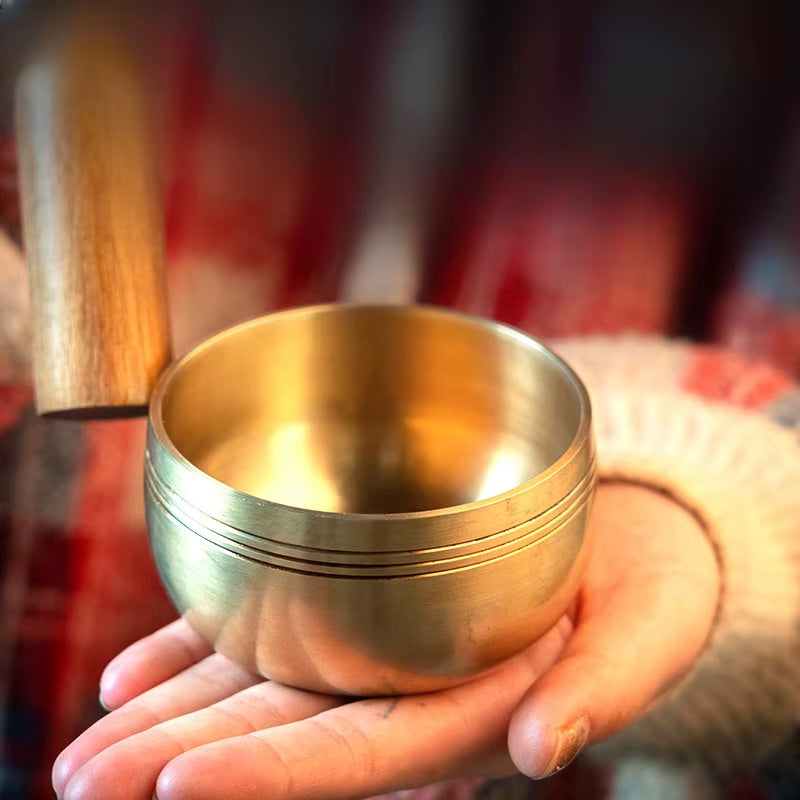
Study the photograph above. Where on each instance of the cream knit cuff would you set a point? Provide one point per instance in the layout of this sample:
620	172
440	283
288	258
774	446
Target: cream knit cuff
740	474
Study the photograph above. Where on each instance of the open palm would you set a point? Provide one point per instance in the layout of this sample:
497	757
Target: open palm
191	724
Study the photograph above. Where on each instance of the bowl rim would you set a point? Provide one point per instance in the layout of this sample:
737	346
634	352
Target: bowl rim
577	444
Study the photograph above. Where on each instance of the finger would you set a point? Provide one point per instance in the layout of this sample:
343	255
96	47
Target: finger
371	746
207	682
151	661
645	620
128	770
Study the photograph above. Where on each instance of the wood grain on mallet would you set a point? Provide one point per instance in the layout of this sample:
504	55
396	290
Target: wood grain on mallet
93	228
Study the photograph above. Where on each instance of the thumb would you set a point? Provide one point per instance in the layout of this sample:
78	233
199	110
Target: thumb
647	607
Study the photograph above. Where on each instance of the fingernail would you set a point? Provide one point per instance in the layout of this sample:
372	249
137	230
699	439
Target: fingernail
569	740
102	704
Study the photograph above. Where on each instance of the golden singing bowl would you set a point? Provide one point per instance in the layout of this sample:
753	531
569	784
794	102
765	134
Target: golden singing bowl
370	500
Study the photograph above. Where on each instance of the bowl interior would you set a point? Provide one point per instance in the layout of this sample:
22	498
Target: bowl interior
371	410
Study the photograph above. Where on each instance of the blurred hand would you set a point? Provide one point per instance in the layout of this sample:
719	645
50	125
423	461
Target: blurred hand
190	724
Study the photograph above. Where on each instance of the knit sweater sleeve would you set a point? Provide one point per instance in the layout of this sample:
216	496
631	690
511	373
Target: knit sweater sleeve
705	428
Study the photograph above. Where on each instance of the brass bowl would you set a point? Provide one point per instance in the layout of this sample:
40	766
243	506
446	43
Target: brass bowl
370	500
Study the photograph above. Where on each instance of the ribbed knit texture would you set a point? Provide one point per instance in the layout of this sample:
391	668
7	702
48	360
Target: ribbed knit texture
740	473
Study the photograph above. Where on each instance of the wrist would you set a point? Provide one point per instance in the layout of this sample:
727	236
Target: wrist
663	518
657	527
